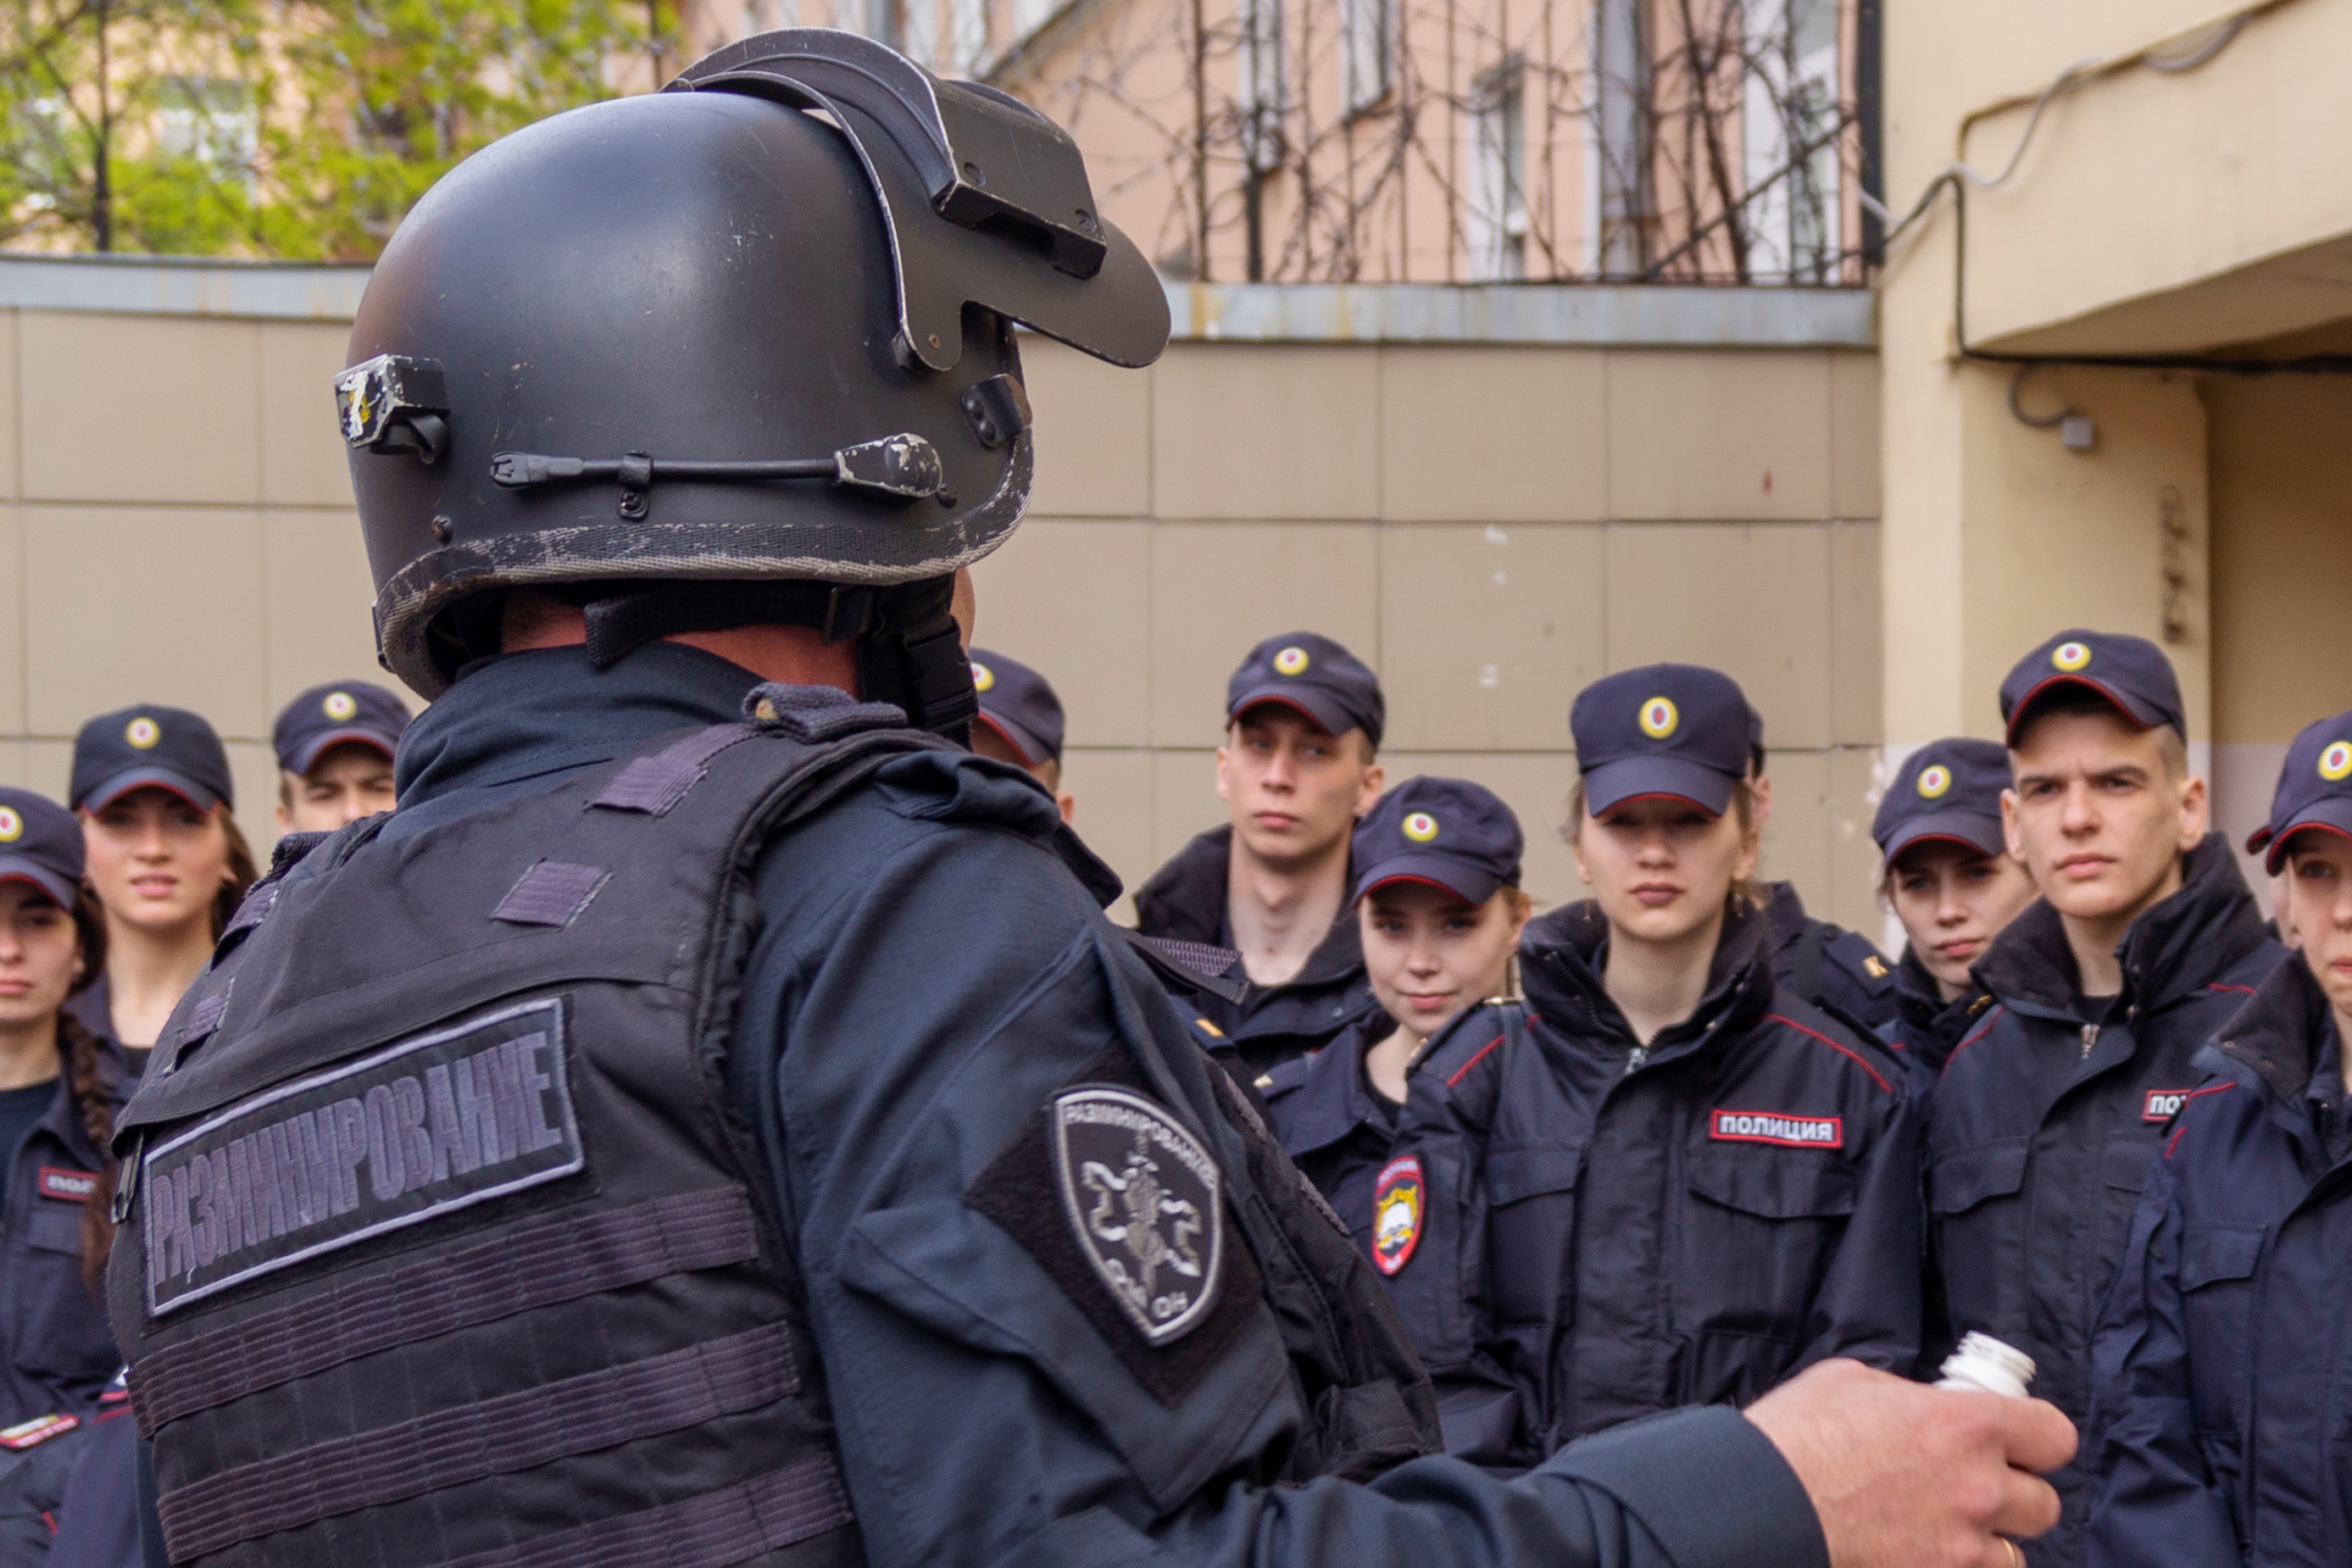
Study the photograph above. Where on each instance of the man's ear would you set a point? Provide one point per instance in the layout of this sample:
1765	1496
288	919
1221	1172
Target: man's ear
2012	831
1760	787
2196	813
1369	795
1225	773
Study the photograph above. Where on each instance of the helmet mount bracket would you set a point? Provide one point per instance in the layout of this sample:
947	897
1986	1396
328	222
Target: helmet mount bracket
974	188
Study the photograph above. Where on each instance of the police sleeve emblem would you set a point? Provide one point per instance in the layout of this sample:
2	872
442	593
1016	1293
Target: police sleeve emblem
1400	1199
1142	1198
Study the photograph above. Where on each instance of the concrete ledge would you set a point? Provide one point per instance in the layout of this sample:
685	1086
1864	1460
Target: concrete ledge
1597	315
177	286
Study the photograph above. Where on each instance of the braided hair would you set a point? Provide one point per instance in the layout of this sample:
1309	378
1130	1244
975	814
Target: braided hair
93	1078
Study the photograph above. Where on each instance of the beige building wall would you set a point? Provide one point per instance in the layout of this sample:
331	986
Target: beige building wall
2170	203
1490	523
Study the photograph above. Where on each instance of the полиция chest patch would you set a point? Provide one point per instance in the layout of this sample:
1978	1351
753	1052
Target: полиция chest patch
431	1124
1144	1201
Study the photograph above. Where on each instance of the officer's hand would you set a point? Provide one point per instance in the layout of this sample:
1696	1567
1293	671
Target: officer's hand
1905	1475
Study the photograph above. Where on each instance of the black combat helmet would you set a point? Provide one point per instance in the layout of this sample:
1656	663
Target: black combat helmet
737	351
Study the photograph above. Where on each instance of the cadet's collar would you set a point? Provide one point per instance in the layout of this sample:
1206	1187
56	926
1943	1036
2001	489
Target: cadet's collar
1561	965
2179	947
1186	897
2277	1036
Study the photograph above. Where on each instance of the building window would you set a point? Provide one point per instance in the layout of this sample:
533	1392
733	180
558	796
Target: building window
1621	141
1261	98
209	122
1368	45
1495	215
1791	124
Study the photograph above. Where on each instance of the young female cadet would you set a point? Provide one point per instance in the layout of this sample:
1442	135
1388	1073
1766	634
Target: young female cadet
1952	882
1438	903
1684	1184
2222	1360
152	786
59	1086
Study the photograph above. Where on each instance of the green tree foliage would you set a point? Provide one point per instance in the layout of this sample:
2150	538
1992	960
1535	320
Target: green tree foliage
268	127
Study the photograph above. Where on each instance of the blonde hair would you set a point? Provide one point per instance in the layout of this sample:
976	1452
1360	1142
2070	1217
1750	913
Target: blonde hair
1748	894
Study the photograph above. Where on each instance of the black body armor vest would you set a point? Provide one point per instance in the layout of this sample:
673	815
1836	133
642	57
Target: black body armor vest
442	1246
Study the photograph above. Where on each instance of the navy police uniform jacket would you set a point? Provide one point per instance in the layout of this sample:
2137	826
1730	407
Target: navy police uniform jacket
1185	901
924	978
2225	1359
1614	1230
2045	1119
1926	1027
56	1354
1337	1129
1823	964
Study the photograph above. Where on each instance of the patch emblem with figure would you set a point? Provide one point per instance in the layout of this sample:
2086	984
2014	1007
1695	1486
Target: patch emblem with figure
1400	1199
1144	1200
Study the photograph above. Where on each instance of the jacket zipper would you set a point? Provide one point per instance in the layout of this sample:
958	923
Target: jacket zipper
2090	1038
1634	1059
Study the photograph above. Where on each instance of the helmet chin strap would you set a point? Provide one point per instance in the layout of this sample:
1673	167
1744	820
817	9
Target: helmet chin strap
910	651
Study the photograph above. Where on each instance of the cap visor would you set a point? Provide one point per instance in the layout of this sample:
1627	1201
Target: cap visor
1311	705
1977	831
1612	784
306	756
1025	745
170	779
23	869
2332	813
1463	881
2131	709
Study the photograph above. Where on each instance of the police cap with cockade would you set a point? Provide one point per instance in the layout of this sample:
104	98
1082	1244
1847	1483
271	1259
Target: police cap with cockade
1450	834
735	353
1678	729
2131	673
345	712
1947	791
40	842
2315	790
137	748
1313	675
1019	704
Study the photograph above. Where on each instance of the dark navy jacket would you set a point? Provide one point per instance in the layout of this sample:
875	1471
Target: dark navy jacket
1822	963
1613	1231
57	1353
926	974
1332	1124
1185	901
2224	1358
1926	1027
2045	1122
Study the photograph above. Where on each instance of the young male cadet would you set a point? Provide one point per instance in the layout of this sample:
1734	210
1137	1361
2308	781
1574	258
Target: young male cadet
1020	723
2223	1359
1299	765
2145	939
335	745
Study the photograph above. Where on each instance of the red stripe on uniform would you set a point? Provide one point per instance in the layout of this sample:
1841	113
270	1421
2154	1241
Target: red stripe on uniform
1473	1062
1972	1039
2219	985
1832	1045
2178	1126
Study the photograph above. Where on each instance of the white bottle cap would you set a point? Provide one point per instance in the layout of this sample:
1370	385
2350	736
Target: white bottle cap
1984	1364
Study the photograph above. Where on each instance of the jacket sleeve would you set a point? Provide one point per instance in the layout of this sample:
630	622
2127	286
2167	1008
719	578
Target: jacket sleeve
1868	1307
919	1020
2155	1500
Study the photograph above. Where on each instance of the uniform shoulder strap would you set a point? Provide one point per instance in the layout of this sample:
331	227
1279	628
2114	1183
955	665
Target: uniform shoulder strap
1467	1061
